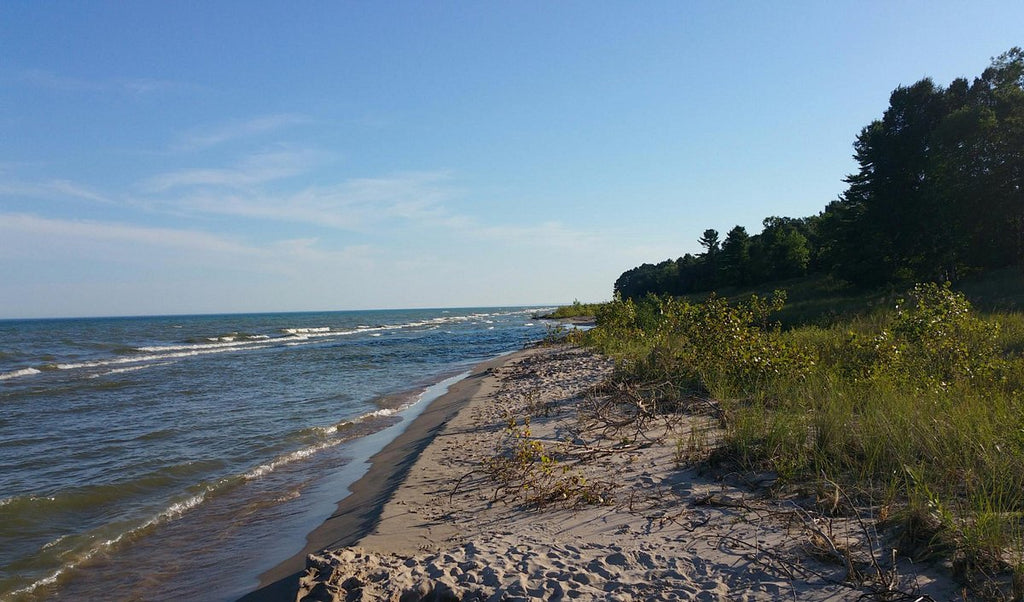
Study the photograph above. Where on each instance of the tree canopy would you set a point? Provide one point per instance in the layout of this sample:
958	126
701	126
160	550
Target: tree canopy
938	194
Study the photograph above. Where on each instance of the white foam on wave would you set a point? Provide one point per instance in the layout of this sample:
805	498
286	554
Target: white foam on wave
429	394
19	373
25	498
171	512
237	342
176	509
306	334
433	391
179	508
137	359
301	334
54	542
130	369
265	469
230	338
45	581
328	430
216	343
313	330
268	467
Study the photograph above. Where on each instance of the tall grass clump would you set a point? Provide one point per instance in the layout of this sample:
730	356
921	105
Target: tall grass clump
918	408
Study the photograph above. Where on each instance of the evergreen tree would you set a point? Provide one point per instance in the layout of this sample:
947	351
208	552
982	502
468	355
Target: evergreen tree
939	193
709	240
735	257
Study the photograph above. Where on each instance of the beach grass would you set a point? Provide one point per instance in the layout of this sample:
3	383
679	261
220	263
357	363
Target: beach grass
913	405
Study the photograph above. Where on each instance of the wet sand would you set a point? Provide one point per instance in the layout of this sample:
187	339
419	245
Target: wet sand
358	513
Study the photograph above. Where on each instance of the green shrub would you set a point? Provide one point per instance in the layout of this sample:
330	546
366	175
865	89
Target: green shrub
575	310
711	347
934	341
917	404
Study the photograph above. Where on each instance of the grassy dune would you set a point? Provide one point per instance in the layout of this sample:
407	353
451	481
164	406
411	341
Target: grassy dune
911	404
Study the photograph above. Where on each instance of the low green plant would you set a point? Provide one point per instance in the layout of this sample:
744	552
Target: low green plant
711	347
918	404
530	471
694	446
575	310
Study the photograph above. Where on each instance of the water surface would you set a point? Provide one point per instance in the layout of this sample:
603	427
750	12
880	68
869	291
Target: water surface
179	457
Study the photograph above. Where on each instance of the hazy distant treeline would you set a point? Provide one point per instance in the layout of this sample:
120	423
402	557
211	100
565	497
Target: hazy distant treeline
939	194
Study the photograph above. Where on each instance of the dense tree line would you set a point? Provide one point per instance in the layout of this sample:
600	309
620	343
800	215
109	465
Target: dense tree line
939	194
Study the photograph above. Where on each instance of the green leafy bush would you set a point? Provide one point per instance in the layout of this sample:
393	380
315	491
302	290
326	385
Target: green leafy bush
711	347
917	405
939	338
575	310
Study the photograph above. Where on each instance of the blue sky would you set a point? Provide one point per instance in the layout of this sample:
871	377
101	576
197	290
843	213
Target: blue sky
206	157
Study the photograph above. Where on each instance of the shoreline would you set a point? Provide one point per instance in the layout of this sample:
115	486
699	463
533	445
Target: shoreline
357	513
597	512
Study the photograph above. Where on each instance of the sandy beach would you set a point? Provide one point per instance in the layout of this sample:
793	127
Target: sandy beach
529	482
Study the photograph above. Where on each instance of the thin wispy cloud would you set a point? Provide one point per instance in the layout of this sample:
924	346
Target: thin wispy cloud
145	85
413	200
256	168
131	86
146	245
69	230
52	81
546	234
53	189
200	138
416	200
352	204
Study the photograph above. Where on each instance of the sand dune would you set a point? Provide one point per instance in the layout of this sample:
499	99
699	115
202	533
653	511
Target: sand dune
628	521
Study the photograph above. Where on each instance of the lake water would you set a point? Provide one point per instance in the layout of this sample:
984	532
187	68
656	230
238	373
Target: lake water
169	458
